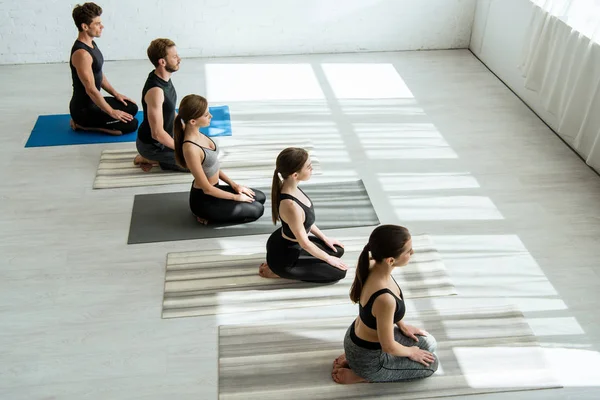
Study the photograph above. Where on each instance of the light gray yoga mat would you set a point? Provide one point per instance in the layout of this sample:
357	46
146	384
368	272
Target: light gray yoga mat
166	217
481	350
224	282
240	160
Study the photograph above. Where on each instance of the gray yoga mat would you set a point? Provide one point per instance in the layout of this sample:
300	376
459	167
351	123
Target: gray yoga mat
167	217
481	350
217	282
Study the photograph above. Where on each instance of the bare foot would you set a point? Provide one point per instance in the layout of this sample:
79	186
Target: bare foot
345	376
73	125
341	362
147	167
202	220
76	127
143	160
265	271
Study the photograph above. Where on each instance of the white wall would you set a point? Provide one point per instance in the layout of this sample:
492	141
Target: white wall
498	38
34	31
500	32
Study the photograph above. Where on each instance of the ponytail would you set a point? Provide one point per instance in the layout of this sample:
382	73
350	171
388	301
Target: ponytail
192	106
385	241
362	273
275	195
289	161
178	138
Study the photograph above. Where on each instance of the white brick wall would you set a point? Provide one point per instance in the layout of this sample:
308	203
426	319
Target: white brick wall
35	31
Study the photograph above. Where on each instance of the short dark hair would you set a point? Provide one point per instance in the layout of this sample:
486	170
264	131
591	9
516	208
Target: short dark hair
158	49
84	14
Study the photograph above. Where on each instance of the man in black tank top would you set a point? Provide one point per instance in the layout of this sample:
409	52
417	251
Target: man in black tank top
89	110
155	136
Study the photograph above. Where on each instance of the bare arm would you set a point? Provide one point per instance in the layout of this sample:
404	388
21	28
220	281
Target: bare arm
111	90
411	331
294	216
383	310
237	187
108	87
154	101
193	158
329	242
225	178
317	232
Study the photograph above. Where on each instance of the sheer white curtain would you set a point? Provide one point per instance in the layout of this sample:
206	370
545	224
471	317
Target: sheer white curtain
561	61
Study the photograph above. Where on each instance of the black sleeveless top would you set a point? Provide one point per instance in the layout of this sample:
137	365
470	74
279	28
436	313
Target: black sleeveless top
168	107
80	98
309	214
366	312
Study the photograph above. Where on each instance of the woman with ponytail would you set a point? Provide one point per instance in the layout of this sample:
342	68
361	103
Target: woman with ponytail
291	252
209	201
379	346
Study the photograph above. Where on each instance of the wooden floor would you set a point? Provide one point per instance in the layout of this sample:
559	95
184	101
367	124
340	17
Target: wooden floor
442	146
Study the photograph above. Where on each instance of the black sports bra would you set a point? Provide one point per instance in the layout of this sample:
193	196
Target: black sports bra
309	214
366	312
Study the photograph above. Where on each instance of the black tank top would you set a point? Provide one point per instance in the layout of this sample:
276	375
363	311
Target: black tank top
168	107
366	312
309	214
80	98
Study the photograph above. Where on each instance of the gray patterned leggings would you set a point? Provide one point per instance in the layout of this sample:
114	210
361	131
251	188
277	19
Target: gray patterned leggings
368	361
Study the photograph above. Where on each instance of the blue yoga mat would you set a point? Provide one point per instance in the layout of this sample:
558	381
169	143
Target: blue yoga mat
54	130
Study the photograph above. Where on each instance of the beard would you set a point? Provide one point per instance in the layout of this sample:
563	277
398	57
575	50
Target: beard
172	68
94	34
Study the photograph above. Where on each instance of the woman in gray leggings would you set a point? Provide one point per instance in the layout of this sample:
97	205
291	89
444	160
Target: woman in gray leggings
379	346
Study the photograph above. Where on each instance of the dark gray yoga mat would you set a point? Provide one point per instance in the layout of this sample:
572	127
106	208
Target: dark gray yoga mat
165	217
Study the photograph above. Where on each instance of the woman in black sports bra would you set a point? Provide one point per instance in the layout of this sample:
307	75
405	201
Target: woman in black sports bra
378	346
291	252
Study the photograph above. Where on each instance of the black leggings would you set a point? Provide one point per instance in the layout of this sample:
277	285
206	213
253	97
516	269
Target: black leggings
290	261
93	117
214	209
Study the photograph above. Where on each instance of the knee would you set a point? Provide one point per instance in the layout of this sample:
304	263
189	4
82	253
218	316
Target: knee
132	108
131	126
339	252
428	343
433	366
259	196
249	212
337	275
257	210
